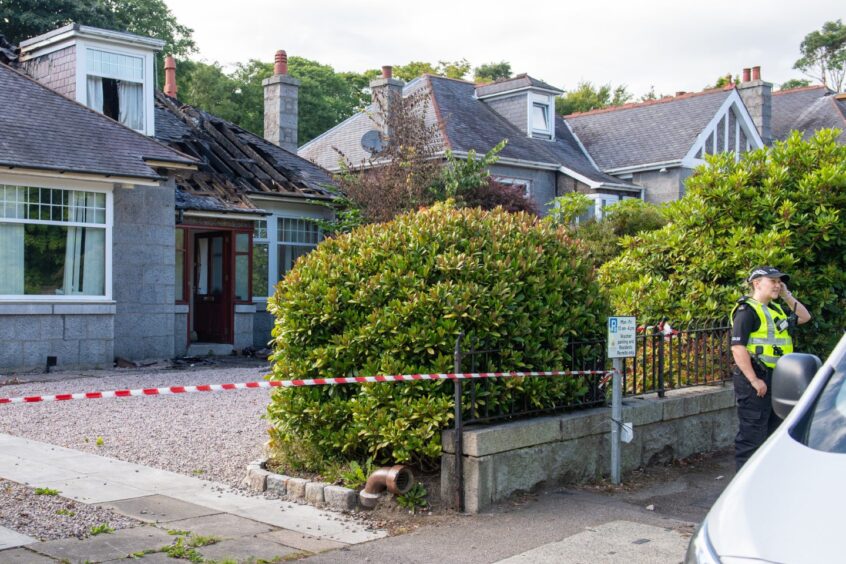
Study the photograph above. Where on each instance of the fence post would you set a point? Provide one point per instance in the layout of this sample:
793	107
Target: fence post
616	419
459	428
660	363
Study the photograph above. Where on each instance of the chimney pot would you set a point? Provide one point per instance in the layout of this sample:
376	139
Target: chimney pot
747	74
681	93
387	71
170	76
280	65
756	73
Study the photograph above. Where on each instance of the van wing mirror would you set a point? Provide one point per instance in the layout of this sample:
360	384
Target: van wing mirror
791	377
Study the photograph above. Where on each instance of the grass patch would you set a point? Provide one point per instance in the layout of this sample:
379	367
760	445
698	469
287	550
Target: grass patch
65	512
183	547
178	532
102	528
46	491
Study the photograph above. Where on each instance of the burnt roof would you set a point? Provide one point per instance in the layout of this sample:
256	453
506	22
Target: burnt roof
42	129
234	162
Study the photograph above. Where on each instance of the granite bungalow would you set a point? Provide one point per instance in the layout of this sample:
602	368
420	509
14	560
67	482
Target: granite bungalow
543	156
156	233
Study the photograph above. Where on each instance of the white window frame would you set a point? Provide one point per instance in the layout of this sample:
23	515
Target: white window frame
600	202
533	99
272	242
514	181
61	184
82	47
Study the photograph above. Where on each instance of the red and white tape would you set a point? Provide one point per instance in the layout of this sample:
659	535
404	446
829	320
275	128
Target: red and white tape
294	384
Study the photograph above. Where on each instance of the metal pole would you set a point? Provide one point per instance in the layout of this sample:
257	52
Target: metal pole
459	428
616	419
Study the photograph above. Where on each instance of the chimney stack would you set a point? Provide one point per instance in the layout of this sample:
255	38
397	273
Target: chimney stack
170	76
387	93
281	105
757	96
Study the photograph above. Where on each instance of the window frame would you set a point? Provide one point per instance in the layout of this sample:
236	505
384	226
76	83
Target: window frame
533	100
272	242
82	47
108	226
235	254
526	183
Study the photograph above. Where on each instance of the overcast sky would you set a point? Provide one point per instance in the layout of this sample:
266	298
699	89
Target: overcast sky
673	45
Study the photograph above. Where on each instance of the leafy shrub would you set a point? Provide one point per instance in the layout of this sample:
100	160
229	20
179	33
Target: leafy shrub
392	298
781	206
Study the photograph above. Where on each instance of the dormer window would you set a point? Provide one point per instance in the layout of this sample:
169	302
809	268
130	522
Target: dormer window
115	86
540	116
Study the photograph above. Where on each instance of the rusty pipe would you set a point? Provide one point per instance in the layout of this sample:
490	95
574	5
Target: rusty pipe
396	479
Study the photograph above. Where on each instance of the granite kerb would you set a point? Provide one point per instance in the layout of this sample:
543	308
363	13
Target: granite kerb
300	490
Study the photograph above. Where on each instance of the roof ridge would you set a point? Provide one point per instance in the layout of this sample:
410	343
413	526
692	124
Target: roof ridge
646	103
799	89
430	75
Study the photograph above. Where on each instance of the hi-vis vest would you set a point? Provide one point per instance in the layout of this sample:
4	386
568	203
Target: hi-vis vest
771	340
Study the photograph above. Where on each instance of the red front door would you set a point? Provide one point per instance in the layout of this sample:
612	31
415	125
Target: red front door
213	287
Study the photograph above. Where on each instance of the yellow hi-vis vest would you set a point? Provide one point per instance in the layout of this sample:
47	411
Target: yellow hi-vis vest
771	340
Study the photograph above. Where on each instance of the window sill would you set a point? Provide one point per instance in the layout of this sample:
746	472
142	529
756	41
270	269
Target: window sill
70	308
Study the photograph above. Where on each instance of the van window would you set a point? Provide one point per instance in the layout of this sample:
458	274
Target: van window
827	428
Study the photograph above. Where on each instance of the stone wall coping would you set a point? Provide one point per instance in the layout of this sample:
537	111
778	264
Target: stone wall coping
640	410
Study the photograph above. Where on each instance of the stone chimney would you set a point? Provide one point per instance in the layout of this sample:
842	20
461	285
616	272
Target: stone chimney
387	93
170	76
281	94
757	95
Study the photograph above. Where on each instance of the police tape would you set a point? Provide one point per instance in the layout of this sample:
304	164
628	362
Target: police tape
171	390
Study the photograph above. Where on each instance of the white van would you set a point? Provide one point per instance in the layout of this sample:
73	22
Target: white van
788	502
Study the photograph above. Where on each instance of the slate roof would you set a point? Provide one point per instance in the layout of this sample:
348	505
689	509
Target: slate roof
514	83
42	129
649	132
464	123
808	110
235	162
471	124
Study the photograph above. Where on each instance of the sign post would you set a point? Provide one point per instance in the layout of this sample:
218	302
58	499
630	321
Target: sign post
622	343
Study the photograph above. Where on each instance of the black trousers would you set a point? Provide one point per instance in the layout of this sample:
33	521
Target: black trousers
756	415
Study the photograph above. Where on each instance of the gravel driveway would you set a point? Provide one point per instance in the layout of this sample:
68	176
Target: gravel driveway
212	436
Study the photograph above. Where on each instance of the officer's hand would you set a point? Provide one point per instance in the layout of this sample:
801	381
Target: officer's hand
784	292
760	387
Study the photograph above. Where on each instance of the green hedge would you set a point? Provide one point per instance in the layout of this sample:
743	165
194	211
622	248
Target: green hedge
392	298
782	206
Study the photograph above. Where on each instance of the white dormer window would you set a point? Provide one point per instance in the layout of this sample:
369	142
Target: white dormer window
540	117
115	86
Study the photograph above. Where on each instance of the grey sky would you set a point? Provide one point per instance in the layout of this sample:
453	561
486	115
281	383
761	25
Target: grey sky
673	45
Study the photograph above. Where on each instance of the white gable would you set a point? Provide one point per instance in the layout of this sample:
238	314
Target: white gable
730	130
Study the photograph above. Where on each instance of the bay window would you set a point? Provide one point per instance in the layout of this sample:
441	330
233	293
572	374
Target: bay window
53	242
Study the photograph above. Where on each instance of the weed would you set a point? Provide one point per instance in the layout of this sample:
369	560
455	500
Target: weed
178	532
99	442
46	491
198	471
65	512
179	550
356	476
196	541
102	528
414	499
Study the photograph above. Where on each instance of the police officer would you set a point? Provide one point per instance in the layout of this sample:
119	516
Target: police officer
759	336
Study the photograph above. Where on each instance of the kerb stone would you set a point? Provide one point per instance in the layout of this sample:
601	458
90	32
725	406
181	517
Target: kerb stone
341	498
297	488
314	492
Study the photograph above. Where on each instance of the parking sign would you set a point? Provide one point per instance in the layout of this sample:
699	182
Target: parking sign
622	341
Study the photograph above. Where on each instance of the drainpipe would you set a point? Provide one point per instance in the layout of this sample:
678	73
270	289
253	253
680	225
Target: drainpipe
396	479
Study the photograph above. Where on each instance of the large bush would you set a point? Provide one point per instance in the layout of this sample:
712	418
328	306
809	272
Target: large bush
781	206
392	298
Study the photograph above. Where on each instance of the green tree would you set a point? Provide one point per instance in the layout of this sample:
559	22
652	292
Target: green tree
724	81
783	206
490	72
22	19
209	88
794	83
586	97
824	55
450	69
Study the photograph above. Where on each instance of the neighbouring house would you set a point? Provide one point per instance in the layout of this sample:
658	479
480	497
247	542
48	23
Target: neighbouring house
657	144
543	155
808	110
192	219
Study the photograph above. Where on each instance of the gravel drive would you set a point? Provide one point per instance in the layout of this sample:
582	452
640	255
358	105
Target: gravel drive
51	517
212	436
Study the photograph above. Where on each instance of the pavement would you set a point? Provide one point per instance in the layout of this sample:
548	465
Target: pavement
649	519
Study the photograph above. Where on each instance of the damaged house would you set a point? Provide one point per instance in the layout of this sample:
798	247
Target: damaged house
132	225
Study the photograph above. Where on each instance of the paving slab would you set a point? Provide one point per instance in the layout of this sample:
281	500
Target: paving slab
300	541
12	539
23	556
611	543
245	549
307	520
30	473
105	547
89	490
223	525
158	509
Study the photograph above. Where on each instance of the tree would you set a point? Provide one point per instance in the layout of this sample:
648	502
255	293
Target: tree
450	69
824	55
724	81
22	19
586	97
781	206
490	72
794	83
